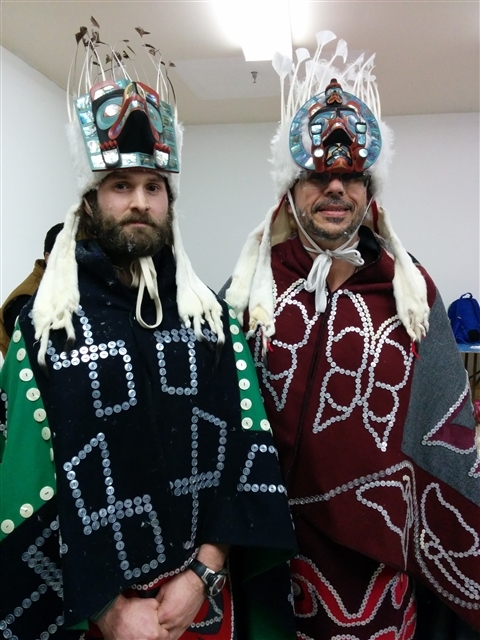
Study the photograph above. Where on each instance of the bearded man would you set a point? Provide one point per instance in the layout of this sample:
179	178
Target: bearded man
138	454
121	217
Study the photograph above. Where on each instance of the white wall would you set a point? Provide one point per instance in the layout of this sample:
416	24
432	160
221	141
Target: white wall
226	190
225	193
37	184
433	197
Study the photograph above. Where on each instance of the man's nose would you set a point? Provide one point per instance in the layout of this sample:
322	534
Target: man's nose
139	199
335	186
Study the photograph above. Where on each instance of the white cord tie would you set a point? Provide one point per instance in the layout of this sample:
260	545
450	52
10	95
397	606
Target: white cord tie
146	276
317	277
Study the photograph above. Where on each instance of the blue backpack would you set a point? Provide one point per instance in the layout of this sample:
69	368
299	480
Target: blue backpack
464	315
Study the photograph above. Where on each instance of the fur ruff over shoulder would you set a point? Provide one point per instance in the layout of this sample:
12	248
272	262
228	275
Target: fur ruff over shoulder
409	286
57	296
252	281
196	302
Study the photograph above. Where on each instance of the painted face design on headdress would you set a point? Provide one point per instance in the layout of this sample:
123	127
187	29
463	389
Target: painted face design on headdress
125	124
335	131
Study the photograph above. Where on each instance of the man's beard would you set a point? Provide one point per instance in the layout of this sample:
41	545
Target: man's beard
136	242
318	233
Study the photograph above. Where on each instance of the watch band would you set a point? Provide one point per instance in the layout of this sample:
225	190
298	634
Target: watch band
214	581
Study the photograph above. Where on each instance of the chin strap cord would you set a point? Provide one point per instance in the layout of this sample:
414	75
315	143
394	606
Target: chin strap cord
317	277
144	275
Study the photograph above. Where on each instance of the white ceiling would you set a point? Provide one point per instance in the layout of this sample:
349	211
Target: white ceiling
427	50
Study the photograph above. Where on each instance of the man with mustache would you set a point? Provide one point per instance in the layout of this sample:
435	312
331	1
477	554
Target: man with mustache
330	207
129	215
361	377
140	485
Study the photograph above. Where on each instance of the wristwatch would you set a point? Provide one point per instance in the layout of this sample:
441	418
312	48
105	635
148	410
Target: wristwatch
214	581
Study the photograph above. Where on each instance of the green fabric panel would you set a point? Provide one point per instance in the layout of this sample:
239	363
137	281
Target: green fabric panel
254	417
264	626
257	561
261	586
81	626
27	465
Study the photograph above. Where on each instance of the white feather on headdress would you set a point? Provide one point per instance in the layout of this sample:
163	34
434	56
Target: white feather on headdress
92	71
355	77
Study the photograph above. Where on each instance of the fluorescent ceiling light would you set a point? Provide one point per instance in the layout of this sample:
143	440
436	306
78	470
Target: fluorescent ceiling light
260	27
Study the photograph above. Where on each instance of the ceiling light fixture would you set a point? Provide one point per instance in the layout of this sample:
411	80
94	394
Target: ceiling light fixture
261	27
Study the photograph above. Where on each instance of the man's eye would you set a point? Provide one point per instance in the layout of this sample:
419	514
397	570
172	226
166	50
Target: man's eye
319	179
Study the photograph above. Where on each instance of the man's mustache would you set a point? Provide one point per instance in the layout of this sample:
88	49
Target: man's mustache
336	202
143	218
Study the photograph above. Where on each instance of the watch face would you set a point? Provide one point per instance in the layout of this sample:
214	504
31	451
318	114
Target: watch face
217	584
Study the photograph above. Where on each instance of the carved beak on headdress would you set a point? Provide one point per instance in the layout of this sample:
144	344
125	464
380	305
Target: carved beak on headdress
333	136
137	124
337	133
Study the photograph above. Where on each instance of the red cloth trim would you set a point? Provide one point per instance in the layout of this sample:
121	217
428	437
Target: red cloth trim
374	208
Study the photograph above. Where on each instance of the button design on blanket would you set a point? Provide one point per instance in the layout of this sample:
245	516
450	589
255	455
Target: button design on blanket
246	404
231	313
16	335
7	526
33	394
244	384
238	346
247	423
234	329
46	433
265	424
21	353
51	454
241	365
39	415
26	375
26	510
46	493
